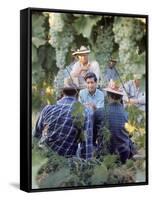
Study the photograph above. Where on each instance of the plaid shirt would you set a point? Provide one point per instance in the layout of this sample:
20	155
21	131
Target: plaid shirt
116	117
62	134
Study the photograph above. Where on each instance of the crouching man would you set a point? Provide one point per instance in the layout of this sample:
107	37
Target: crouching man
56	125
115	117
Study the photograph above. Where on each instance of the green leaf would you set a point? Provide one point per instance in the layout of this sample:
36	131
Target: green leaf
46	55
84	25
34	54
100	175
56	178
38	41
38	29
110	161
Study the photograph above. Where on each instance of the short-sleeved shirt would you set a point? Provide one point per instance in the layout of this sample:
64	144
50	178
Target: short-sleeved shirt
94	67
97	98
134	93
62	134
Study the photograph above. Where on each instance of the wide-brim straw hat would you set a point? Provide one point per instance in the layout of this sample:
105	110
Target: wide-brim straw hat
82	50
137	76
115	89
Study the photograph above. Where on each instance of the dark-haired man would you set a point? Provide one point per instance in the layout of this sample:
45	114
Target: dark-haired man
92	98
56	125
110	72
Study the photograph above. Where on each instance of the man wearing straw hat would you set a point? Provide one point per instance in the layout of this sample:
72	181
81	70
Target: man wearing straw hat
56	129
115	117
133	94
83	66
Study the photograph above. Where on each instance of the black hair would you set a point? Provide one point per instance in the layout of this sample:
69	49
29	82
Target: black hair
90	75
114	96
70	92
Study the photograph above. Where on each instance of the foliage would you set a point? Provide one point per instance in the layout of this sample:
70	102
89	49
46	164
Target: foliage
84	24
127	33
53	35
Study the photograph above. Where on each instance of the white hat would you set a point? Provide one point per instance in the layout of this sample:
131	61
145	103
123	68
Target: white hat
137	76
82	50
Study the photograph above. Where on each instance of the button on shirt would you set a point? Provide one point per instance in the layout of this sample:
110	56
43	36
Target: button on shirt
62	134
97	98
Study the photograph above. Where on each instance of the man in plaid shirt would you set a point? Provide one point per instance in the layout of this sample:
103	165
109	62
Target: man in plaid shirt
55	124
115	117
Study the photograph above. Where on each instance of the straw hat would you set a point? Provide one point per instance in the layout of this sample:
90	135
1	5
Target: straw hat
82	50
114	88
137	76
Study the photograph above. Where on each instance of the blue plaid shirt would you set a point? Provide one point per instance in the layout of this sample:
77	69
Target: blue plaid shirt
62	134
116	117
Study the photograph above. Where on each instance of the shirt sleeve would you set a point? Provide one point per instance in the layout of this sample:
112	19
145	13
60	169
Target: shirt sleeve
40	123
100	101
106	75
75	70
141	99
96	69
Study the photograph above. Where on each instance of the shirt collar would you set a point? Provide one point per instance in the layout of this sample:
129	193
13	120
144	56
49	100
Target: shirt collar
93	94
67	100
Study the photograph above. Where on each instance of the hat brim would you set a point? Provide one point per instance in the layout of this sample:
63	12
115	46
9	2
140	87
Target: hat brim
113	91
81	52
111	60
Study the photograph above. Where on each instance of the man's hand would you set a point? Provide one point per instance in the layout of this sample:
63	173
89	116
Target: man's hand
91	105
85	67
133	101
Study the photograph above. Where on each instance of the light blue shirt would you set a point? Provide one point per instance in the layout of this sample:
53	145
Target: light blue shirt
134	93
110	73
97	98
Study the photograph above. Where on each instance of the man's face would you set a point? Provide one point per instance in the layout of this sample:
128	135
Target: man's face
137	82
83	58
112	64
91	84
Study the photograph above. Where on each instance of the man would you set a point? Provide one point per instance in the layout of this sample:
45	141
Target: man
115	117
56	128
133	94
92	98
110	72
83	66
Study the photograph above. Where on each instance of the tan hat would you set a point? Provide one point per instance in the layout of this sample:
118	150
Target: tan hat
115	89
82	50
137	76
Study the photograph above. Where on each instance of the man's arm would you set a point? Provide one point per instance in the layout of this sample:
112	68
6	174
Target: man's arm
100	101
96	69
40	124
